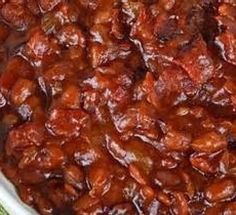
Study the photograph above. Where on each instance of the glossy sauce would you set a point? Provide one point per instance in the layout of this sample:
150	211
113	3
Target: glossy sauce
119	107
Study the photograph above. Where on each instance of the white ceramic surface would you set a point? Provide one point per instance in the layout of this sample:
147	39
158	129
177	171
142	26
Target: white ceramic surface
10	201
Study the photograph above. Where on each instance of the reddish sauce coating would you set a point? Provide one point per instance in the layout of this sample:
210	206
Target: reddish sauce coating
119	107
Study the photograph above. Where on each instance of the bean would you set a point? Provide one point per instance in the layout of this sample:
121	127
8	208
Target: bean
209	143
181	204
165	178
74	176
220	190
230	209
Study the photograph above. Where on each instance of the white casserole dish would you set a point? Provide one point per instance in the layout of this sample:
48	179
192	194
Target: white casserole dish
10	200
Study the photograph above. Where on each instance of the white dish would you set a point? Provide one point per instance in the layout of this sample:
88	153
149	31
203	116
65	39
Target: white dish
11	201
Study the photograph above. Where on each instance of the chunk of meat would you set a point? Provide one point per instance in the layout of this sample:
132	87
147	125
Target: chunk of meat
178	47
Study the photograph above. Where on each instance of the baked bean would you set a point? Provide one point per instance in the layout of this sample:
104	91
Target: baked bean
17	16
74	176
15	69
181	204
209	143
122	209
213	210
99	180
85	202
32	5
66	123
230	209
47	5
176	141
28	134
71	35
40	47
165	178
21	90
220	190
43	205
136	174
71	97
47	158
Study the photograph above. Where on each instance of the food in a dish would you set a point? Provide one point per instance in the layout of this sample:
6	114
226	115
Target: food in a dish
119	107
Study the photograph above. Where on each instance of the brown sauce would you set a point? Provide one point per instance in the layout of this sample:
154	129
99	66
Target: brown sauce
119	107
